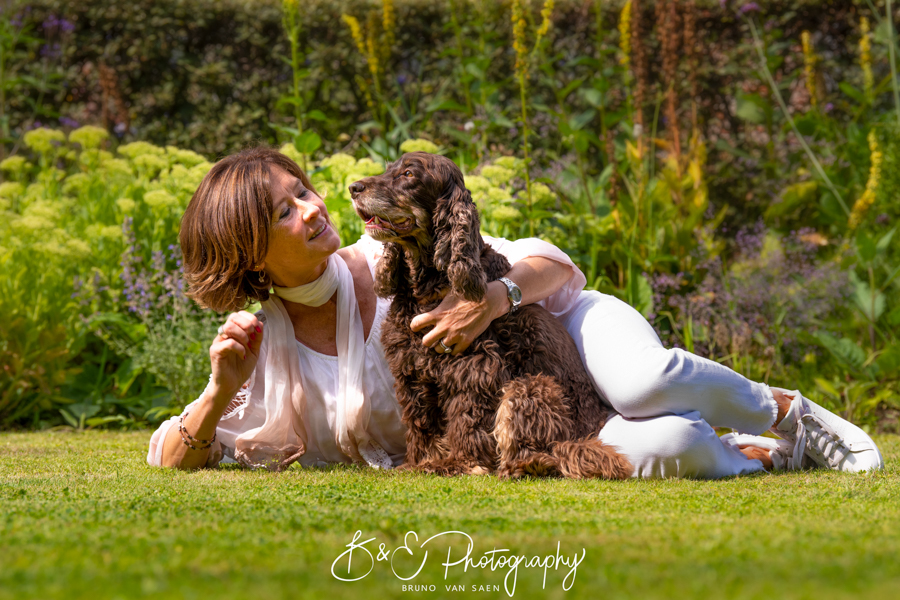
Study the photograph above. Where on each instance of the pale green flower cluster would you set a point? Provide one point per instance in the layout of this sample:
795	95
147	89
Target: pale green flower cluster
89	136
14	165
76	183
41	140
160	200
11	189
112	232
184	157
499	203
419	145
150	165
339	171
135	149
126	205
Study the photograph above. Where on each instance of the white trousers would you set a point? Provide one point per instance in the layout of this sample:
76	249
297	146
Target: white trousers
668	400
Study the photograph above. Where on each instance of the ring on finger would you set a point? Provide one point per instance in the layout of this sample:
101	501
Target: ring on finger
447	349
222	331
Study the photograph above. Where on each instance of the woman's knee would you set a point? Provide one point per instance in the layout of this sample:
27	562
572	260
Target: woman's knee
636	388
668	446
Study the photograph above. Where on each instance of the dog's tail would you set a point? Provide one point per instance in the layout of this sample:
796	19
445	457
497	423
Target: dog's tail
590	458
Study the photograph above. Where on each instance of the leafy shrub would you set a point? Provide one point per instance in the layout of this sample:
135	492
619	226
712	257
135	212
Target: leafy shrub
61	241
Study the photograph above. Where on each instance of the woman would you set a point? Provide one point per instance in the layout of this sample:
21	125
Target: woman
307	381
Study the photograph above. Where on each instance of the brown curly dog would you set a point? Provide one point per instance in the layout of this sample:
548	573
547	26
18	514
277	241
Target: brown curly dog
518	400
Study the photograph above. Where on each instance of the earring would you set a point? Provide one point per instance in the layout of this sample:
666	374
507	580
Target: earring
262	276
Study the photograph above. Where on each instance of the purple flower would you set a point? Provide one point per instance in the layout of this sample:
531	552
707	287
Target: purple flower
53	50
750	7
68	122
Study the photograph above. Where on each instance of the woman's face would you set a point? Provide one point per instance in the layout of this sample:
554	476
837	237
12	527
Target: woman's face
302	236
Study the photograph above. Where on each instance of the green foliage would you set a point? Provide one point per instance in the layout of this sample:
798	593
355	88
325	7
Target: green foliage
653	210
61	252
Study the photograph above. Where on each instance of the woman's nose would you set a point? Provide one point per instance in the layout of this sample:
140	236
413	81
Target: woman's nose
308	210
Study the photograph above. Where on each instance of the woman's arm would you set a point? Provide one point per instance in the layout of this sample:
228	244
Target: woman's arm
233	354
538	268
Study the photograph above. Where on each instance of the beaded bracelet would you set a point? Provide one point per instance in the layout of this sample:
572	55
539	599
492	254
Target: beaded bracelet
184	432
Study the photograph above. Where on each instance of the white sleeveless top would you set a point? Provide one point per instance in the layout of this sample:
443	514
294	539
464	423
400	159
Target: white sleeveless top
320	378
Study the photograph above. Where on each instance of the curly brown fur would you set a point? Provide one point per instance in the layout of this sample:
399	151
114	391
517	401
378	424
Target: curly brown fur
518	400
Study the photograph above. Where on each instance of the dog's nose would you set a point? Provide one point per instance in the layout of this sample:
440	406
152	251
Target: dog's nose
357	187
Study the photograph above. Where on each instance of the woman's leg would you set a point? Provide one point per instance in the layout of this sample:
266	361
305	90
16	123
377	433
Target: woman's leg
642	379
675	446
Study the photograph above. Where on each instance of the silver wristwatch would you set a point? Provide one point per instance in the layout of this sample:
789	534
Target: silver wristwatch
513	293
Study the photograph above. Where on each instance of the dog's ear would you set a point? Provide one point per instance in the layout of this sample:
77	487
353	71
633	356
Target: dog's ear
388	271
457	240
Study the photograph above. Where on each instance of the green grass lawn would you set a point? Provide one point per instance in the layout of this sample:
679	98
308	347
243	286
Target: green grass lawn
84	516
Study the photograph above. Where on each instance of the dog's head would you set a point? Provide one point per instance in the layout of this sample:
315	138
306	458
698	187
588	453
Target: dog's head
421	205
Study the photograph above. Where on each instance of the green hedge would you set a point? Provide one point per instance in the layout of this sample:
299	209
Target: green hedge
207	74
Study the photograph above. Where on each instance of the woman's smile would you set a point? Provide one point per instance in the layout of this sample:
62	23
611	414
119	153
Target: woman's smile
319	231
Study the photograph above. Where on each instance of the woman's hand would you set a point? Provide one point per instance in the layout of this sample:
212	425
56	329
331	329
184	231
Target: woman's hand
234	353
457	322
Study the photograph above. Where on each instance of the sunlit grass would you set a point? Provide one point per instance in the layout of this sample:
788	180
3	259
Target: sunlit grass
83	516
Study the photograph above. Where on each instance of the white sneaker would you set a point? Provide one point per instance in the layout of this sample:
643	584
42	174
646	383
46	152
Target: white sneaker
780	451
832	442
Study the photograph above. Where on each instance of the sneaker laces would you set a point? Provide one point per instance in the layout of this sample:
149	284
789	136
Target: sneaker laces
812	435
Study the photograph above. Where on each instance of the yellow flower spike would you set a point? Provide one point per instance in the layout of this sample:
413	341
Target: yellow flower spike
546	11
371	55
865	59
861	206
809	66
625	35
355	32
518	21
389	22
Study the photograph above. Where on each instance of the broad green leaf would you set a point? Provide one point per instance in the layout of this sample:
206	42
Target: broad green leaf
445	105
749	109
473	70
885	242
807	125
641	294
844	349
852	92
593	96
580	120
308	142
793	197
865	247
871	307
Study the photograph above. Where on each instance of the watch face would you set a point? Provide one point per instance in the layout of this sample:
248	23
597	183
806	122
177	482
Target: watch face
515	294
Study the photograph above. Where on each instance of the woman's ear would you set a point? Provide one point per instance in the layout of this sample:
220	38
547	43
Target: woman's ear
388	270
458	243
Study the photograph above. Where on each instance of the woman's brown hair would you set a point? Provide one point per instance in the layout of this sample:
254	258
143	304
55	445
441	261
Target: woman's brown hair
225	229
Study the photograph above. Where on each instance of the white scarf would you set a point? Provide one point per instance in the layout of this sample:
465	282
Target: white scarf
282	439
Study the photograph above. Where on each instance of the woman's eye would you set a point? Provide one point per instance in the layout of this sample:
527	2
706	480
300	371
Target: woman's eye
303	194
285	212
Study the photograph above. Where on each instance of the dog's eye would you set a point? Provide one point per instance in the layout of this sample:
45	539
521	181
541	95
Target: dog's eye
407	173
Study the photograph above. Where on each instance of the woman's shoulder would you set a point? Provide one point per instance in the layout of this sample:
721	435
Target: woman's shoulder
365	252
